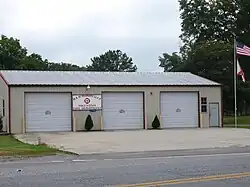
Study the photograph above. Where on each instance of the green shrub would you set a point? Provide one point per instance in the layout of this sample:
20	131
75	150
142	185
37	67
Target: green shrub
156	123
89	123
1	123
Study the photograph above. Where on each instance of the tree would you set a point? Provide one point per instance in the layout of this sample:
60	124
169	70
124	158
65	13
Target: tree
114	60
15	57
213	60
11	52
1	122
89	123
172	62
208	20
215	20
64	67
207	50
32	62
156	123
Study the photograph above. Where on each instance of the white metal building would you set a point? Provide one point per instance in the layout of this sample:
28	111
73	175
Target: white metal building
46	101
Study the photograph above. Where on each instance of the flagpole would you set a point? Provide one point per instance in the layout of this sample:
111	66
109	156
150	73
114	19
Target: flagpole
235	83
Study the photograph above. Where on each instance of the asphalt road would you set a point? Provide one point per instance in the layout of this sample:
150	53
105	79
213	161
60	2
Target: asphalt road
221	168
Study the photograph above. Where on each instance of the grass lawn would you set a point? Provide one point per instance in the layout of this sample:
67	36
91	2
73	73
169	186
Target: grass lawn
242	121
9	146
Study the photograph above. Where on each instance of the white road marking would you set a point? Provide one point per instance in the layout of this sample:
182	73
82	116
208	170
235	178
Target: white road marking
185	156
57	161
84	160
27	162
140	158
168	157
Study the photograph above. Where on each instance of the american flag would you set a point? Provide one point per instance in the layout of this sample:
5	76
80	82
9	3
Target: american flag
242	49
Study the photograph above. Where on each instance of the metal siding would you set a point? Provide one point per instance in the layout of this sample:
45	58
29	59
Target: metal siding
179	109
36	105
115	103
4	96
213	94
104	78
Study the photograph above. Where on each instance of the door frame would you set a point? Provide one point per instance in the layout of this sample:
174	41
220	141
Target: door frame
143	112
24	127
180	91
217	103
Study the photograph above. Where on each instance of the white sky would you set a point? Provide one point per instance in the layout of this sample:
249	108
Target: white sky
75	30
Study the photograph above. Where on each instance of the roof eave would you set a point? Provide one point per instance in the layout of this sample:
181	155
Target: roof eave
122	85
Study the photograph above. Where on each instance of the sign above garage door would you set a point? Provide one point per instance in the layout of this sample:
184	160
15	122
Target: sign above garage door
87	102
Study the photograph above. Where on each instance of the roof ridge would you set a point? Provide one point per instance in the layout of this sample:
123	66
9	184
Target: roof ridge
93	72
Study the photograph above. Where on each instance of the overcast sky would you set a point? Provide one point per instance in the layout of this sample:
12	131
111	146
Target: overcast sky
76	30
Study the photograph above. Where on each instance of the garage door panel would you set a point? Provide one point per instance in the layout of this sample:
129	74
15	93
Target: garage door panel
122	111
127	113
131	120
135	106
118	95
173	120
47	112
179	109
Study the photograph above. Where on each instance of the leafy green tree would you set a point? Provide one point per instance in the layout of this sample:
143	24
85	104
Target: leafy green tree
156	123
15	57
1	123
214	20
172	62
207	50
206	20
64	67
32	62
89	123
11	52
112	60
213	60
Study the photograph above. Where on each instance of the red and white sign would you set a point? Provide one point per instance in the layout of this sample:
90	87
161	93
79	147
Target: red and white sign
87	102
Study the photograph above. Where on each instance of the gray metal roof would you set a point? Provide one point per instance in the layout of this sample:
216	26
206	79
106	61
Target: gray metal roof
103	78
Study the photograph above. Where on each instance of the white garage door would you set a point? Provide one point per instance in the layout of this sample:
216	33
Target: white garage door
122	111
179	109
48	112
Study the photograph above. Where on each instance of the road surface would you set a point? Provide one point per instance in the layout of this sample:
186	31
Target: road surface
221	168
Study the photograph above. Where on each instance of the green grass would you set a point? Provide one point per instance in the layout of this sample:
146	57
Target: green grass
9	146
242	121
238	126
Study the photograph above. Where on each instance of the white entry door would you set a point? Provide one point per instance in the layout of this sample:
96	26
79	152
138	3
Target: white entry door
48	112
214	114
122	111
179	109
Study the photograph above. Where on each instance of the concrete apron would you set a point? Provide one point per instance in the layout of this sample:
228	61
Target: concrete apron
143	140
